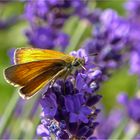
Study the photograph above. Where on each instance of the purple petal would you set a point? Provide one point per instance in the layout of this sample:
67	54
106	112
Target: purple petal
85	110
69	103
108	16
73	117
122	98
83	118
80	81
42	131
49	105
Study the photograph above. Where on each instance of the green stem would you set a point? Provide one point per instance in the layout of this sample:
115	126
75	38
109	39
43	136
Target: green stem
70	25
8	111
77	35
118	131
132	131
33	120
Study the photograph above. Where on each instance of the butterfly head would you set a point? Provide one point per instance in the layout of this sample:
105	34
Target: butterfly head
79	62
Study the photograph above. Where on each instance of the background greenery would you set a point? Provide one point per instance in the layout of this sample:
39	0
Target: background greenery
13	37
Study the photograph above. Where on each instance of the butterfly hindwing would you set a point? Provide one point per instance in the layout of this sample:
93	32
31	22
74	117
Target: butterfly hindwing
21	74
39	82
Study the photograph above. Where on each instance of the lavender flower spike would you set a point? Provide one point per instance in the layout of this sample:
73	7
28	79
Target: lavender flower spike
68	107
132	107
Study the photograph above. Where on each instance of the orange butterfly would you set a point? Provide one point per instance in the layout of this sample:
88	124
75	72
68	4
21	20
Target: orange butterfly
34	68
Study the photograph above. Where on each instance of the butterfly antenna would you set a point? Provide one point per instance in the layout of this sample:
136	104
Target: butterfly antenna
92	54
82	66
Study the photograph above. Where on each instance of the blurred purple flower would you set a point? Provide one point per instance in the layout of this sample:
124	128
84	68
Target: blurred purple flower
133	9
51	16
55	12
4	24
122	98
11	55
109	124
18	110
43	37
116	41
135	62
132	106
6	134
133	17
133	109
34	108
137	137
117	26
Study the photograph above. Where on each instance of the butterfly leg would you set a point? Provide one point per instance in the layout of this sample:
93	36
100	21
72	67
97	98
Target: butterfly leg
58	75
52	83
66	74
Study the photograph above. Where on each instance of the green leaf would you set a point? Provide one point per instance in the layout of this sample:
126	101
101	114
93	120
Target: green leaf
118	131
8	112
77	35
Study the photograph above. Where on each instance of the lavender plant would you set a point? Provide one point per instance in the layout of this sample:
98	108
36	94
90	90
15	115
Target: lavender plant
71	108
112	42
61	100
121	122
68	109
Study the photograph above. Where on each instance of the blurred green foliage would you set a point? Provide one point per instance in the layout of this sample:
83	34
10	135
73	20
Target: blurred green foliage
113	4
13	37
10	37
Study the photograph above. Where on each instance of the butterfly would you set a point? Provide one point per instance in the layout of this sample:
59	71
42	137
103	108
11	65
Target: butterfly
35	68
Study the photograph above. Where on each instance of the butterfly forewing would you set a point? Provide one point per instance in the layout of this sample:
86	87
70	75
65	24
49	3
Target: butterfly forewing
24	55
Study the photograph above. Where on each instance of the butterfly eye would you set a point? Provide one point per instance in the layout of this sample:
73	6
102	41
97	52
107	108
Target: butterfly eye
76	63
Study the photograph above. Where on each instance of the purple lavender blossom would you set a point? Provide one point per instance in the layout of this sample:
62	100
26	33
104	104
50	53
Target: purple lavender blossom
49	105
11	55
109	40
42	131
74	105
51	15
6	134
19	108
135	62
131	106
109	124
55	12
137	137
47	18
117	26
133	109
133	9
71	107
4	24
43	37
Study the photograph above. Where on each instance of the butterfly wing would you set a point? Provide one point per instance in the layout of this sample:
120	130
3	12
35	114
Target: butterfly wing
35	68
24	55
20	74
39	82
